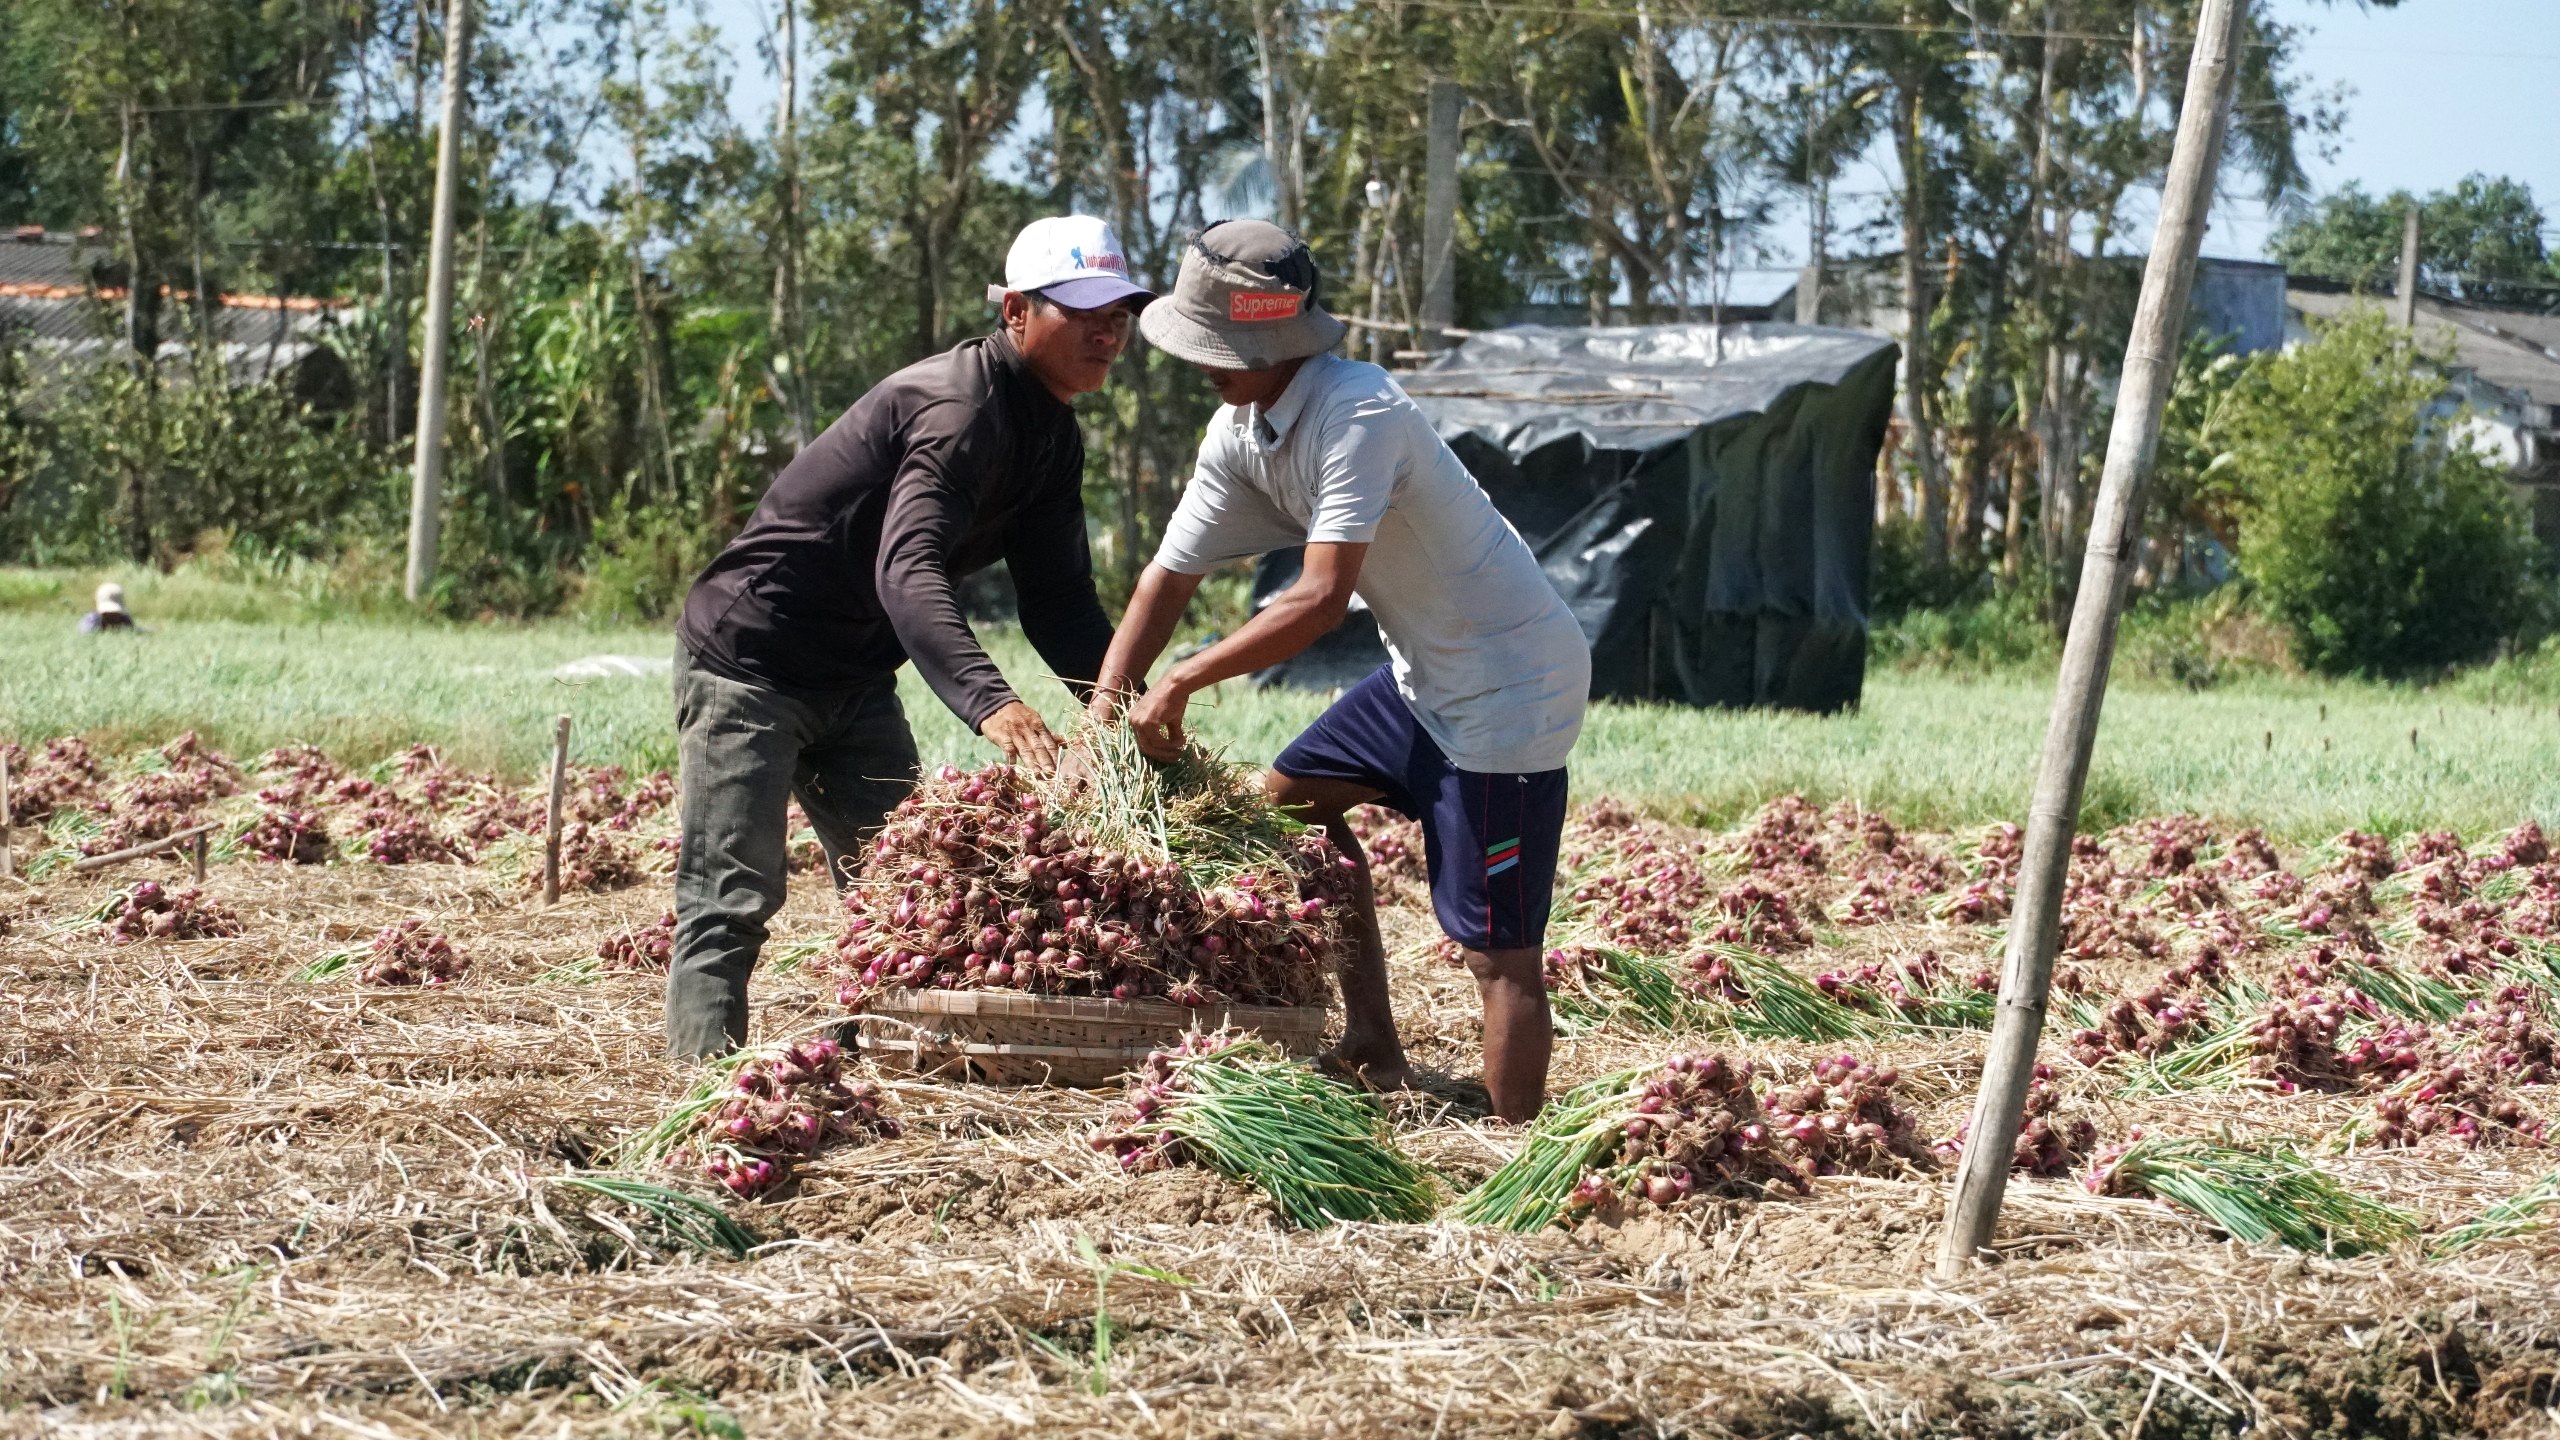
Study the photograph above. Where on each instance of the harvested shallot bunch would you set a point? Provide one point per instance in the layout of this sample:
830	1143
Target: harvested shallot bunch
150	911
65	777
298	836
642	949
1188	886
1696	1125
1763	918
409	953
777	1107
592	861
2048	1143
398	836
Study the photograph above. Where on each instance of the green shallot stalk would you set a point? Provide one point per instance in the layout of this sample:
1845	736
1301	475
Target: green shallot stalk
653	1145
2222	1060
2518	1214
2254	1195
790	955
1572	1135
1595	987
584	970
692	1221
1242	1108
2406	993
1774	1003
328	966
2536	964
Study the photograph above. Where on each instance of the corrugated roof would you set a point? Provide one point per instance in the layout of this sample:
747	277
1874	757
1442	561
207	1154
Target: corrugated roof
55	287
2511	349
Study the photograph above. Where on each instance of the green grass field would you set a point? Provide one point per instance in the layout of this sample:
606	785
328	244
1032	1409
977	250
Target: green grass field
2302	758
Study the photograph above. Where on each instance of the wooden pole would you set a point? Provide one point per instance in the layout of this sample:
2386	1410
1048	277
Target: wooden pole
147	847
2150	363
2406	302
8	867
195	855
1440	215
551	820
426	482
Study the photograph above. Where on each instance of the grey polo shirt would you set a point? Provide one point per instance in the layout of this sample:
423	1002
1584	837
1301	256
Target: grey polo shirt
1483	649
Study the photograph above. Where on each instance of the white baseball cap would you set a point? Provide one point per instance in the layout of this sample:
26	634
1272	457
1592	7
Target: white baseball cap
110	599
1074	260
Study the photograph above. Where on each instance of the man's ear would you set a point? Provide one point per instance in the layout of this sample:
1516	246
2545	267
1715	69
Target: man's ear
1016	312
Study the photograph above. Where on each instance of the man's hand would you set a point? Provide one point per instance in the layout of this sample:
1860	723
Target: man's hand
1025	738
1111	701
1156	720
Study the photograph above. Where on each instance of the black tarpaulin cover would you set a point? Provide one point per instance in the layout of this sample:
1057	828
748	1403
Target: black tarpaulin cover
1701	495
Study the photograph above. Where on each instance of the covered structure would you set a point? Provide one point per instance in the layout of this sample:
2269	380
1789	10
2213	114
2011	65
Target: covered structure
1702	496
61	303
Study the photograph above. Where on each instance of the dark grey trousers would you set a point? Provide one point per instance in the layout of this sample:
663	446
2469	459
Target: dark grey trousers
744	753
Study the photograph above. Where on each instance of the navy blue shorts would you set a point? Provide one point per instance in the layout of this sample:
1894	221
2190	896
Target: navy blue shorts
1489	840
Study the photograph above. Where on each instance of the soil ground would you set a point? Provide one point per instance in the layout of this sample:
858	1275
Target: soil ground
232	1203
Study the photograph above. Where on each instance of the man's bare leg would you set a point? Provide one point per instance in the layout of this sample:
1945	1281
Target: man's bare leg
1519	1035
1369	1048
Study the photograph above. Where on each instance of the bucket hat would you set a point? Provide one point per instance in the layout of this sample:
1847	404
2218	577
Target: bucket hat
1248	298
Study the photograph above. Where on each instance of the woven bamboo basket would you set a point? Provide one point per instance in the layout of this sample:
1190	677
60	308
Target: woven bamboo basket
1003	1037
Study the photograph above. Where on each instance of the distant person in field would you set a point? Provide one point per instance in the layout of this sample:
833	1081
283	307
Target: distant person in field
788	650
1467	726
108	612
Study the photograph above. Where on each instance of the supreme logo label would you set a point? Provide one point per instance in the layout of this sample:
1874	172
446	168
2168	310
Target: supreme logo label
1249	305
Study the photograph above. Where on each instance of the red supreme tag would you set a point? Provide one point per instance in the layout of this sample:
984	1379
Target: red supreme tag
1247	305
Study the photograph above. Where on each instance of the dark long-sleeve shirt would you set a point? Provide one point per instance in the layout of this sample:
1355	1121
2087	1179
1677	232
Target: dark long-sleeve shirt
849	564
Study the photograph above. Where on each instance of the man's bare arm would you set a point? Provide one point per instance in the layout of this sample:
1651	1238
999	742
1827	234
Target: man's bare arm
1294	619
1155	608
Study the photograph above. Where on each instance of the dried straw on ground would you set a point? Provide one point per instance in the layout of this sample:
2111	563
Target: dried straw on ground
235	1204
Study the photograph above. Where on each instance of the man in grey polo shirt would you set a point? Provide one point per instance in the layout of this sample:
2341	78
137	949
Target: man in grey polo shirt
1467	726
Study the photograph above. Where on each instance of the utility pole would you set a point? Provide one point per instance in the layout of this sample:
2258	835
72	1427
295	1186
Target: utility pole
426	486
786	275
1440	215
2150	364
2406	302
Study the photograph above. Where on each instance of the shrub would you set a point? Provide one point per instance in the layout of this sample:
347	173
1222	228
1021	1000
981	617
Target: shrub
643	562
1992	632
2380	542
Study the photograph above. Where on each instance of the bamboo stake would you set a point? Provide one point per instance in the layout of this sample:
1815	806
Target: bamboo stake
195	856
2150	363
551	821
147	847
8	868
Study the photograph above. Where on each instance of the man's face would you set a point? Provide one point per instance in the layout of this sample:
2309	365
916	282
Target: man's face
1070	350
1241	388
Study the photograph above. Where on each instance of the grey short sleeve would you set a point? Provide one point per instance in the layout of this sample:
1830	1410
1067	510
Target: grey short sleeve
1219	519
1356	473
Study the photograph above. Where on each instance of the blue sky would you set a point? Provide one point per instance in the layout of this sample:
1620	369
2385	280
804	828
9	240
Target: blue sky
2432	90
2437	90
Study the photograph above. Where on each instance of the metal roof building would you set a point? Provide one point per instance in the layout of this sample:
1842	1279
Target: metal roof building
62	303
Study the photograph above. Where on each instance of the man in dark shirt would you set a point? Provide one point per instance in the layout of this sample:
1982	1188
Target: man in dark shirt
788	649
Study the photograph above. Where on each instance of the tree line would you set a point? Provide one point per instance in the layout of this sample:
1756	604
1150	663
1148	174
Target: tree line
666	287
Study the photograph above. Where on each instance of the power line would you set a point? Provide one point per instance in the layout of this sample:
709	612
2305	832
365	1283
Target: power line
209	107
1630	15
1904	27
